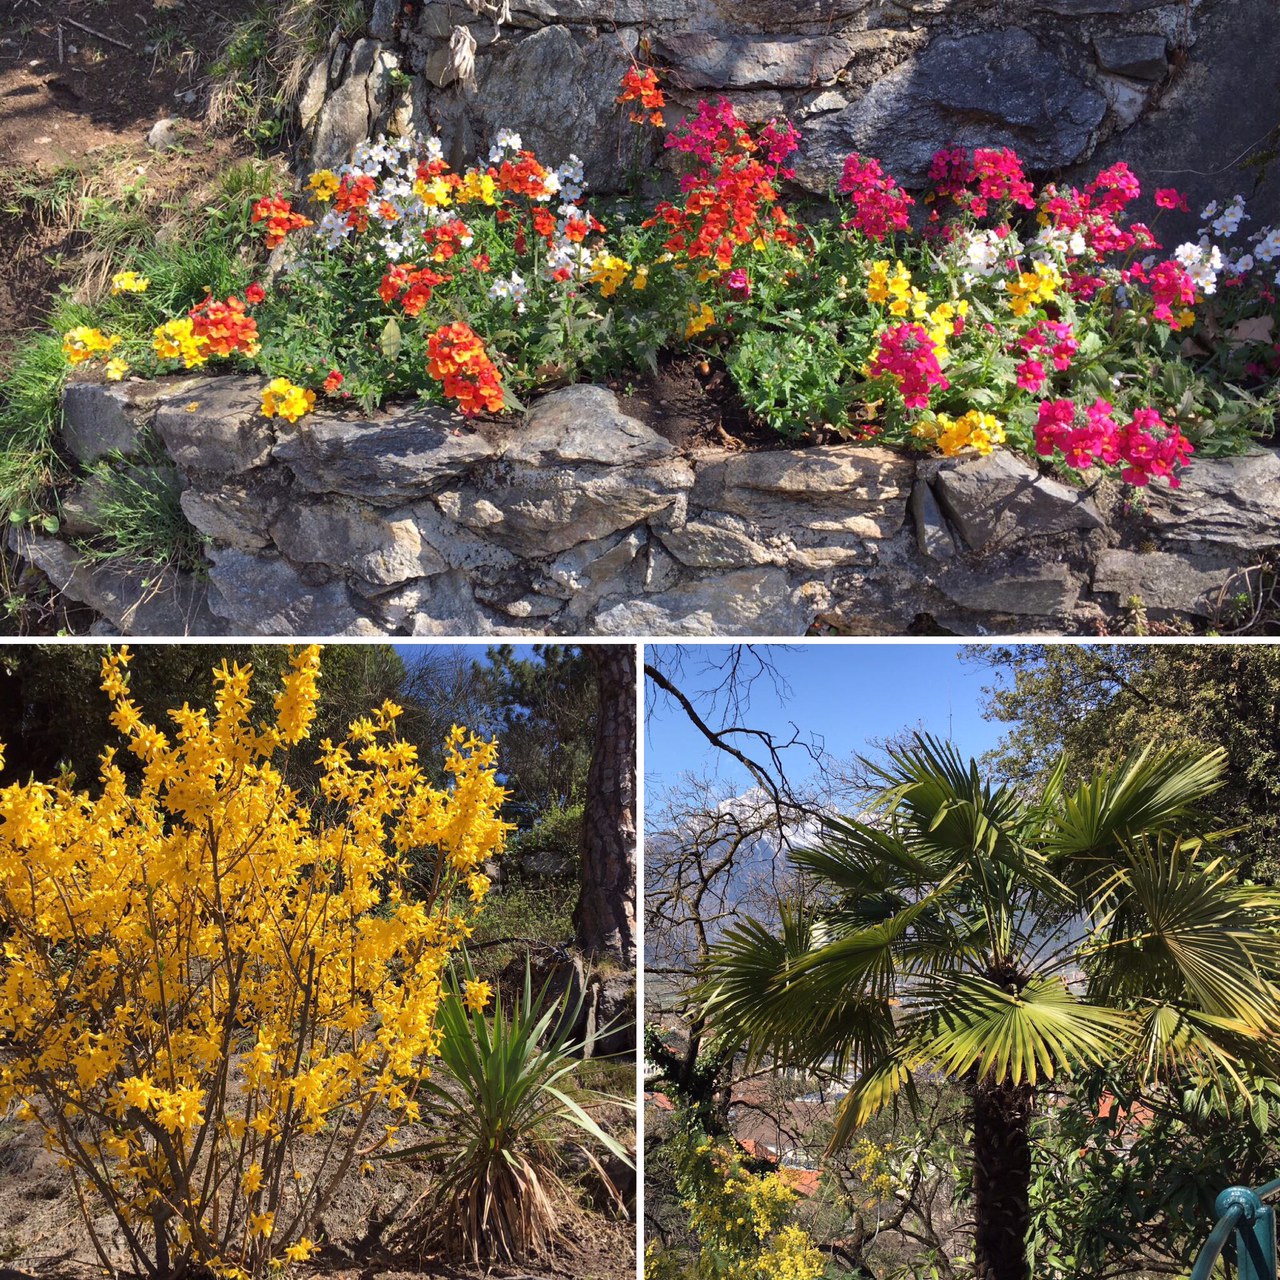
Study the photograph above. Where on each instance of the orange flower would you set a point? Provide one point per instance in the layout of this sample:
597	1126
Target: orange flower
225	327
458	359
280	218
642	87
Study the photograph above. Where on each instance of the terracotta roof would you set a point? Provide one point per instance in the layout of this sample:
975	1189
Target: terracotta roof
661	1101
804	1182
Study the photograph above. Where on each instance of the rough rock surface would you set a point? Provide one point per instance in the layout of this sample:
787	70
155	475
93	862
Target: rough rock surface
1171	87
582	520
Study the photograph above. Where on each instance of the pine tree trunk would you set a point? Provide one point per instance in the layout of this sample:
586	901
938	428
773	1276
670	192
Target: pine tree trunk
605	917
1001	1178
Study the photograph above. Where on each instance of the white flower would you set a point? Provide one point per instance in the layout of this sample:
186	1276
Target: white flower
571	179
1077	245
983	252
1209	210
507	142
1243	264
512	287
1268	245
1202	262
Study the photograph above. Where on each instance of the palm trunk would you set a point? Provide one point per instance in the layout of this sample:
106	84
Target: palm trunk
1001	1178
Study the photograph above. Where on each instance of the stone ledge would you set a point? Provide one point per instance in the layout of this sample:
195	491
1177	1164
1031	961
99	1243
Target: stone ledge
583	520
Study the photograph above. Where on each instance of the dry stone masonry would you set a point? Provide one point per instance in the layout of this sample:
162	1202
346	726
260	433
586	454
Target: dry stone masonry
1184	90
580	519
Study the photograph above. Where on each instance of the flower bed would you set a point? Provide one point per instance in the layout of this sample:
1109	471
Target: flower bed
1049	320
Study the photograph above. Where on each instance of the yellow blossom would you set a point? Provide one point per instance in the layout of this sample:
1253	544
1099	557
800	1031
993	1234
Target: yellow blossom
301	1250
641	278
129	282
700	317
323	185
116	369
85	343
609	271
177	339
477	188
476	994
289	401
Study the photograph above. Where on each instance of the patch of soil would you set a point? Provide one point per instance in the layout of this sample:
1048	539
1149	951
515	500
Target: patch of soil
693	404
72	100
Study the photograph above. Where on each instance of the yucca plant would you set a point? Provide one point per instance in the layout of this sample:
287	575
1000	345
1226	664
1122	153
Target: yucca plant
508	1109
971	932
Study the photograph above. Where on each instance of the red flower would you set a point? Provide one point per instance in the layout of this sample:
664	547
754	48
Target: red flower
457	357
332	382
642	87
254	293
1171	198
280	218
225	327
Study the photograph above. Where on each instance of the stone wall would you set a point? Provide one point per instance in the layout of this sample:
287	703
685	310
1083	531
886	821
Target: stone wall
1186	90
581	520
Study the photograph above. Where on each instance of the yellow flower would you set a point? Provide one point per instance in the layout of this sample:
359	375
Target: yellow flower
301	1251
435	193
116	369
978	431
84	343
1032	287
478	884
641	278
323	185
475	994
252	1180
177	339
477	188
282	397
129	282
700	317
261	1224
609	271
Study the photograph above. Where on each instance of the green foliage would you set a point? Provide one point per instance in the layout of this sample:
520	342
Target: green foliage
542	911
507	1110
1125	1185
1085	702
557	830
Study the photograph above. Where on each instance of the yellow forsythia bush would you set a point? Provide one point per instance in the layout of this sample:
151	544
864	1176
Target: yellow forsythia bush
217	997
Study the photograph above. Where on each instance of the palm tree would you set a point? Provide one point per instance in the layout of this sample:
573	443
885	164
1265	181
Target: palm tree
973	933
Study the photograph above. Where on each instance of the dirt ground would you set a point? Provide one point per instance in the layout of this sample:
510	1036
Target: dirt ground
42	1234
81	84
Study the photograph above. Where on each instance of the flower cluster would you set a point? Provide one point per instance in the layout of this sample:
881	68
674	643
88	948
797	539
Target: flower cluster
880	205
211	328
85	343
730	199
457	358
642	87
129	282
907	354
1146	446
280	218
202	916
974	430
282	398
410	285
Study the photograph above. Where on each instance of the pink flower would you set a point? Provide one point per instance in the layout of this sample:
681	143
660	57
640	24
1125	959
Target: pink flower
1171	198
880	205
906	354
738	283
1031	375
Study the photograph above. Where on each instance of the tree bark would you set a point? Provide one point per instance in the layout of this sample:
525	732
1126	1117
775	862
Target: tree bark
605	917
1001	1178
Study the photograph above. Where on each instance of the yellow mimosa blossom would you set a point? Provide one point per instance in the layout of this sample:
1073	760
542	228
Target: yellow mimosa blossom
201	912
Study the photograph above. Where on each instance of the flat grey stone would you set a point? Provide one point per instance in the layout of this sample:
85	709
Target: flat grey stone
993	89
999	497
932	535
383	549
583	424
215	428
713	60
350	110
389	462
707	546
152	603
266	596
168	133
1229	503
1162	580
99	418
1033	590
839	489
746	602
1139	57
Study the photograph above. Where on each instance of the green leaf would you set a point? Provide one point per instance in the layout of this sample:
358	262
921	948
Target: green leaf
391	339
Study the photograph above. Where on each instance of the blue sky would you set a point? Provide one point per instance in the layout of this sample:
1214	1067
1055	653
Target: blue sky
843	694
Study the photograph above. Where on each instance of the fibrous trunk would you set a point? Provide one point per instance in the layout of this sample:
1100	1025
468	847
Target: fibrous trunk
1001	1178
